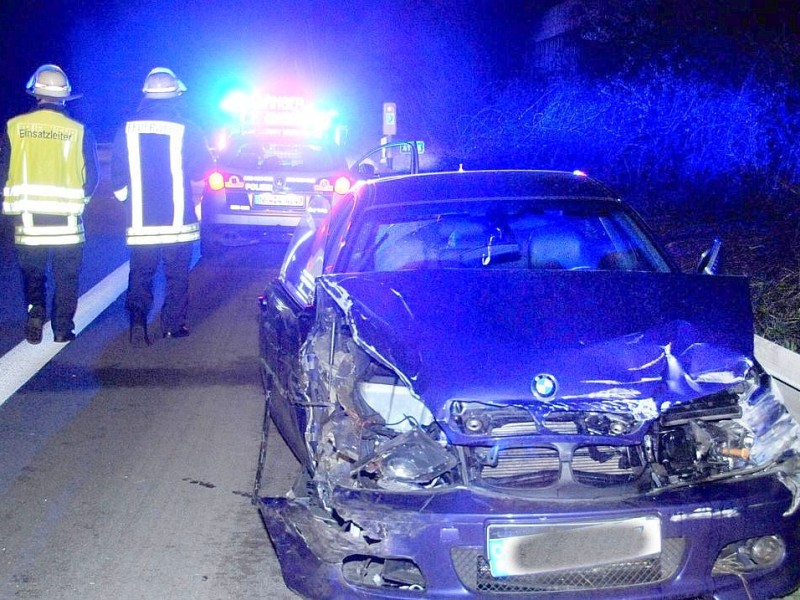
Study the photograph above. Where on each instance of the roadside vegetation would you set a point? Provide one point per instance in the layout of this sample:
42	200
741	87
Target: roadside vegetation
698	160
692	117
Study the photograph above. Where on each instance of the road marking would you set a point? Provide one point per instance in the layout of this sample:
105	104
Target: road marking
22	362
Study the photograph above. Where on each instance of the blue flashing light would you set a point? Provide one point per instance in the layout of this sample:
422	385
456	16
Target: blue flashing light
286	116
235	103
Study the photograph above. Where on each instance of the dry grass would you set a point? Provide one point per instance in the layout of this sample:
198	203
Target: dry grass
762	242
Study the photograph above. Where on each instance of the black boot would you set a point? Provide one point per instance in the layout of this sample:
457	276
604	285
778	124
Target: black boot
34	324
138	333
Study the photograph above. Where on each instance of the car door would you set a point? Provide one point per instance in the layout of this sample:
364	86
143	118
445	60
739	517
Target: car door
287	314
391	158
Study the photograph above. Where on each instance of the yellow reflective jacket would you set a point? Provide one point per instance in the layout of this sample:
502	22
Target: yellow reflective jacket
46	176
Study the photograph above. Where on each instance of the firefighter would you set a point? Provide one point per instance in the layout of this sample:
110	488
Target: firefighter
48	162
158	164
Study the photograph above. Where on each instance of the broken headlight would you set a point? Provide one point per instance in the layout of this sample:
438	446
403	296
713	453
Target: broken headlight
744	427
409	461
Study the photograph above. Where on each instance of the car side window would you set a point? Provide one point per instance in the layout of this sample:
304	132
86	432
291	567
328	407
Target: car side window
386	161
305	259
298	269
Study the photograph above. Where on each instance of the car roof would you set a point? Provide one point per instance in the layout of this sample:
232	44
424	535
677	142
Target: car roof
452	185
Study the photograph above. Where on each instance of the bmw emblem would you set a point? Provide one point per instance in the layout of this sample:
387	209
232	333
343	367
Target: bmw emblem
544	386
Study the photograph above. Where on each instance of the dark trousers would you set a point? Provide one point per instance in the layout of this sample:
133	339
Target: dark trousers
144	262
64	264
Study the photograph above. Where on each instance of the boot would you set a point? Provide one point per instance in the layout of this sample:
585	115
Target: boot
34	324
138	333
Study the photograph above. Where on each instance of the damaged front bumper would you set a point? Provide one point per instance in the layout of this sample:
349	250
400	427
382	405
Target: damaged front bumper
727	538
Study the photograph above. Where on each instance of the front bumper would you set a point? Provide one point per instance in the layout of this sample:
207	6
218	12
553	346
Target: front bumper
444	535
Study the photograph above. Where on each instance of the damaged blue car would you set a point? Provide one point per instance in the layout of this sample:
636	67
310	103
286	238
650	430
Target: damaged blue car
498	384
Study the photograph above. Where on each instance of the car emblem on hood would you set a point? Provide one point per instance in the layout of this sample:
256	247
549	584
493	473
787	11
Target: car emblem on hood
544	386
279	184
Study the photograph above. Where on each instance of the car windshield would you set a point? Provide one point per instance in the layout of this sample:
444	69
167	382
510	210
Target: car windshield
266	154
504	234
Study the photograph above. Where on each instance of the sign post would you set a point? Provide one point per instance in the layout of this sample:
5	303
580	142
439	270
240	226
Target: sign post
389	118
389	129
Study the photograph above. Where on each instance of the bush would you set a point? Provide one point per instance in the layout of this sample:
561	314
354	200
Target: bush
698	157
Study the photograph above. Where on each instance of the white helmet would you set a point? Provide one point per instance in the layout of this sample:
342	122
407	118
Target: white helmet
50	81
162	83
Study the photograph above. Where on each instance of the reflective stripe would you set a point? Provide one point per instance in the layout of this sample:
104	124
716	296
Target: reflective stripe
152	240
63	240
24	190
141	236
29	234
12	206
134	163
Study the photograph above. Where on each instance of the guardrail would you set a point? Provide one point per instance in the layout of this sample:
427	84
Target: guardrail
784	366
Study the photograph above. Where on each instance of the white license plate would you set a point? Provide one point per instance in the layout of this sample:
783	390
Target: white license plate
530	549
278	200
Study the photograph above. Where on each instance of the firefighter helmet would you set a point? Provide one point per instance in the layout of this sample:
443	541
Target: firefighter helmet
162	83
50	82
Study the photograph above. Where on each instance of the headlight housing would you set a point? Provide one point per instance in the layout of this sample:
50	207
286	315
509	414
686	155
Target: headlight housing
409	461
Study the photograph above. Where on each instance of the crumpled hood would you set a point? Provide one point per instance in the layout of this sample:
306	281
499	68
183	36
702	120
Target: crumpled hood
613	341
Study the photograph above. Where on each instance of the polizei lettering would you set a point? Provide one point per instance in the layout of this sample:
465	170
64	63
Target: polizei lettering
60	134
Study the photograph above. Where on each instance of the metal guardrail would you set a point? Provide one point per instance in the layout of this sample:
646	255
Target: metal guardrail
784	366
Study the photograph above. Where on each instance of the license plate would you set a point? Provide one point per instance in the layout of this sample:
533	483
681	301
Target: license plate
530	549
278	200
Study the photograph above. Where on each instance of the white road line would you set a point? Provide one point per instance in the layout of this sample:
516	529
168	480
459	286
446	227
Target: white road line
22	362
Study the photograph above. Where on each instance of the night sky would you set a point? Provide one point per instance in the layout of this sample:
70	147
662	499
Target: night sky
354	54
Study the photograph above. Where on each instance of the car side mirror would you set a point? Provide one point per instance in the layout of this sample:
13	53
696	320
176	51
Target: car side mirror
711	261
366	171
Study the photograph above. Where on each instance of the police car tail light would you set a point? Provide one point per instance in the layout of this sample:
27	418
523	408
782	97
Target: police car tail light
342	185
216	181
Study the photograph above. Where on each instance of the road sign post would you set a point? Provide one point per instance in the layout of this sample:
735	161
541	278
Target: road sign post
389	118
389	129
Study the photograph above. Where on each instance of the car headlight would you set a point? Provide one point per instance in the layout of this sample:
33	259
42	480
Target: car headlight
774	428
745	427
411	459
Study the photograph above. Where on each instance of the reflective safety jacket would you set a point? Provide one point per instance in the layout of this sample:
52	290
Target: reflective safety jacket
49	165
157	154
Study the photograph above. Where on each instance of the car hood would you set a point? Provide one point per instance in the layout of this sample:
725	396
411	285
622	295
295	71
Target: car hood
612	341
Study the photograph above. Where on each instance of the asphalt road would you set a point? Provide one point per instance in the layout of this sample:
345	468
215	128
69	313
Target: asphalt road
127	473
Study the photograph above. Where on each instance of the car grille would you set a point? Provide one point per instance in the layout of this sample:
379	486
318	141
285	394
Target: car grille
473	571
537	467
523	467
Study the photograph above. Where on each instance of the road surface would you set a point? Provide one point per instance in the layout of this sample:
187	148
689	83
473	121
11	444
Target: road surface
127	473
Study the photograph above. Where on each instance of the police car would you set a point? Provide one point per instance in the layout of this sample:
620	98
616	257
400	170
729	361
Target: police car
281	152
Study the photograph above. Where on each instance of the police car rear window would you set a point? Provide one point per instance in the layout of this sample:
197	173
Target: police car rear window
266	155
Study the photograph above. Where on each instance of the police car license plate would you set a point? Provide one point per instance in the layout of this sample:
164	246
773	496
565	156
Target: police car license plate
278	200
530	549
